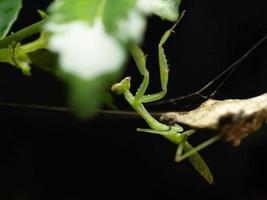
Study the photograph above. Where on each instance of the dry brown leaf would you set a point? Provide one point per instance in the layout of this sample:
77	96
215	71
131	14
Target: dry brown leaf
233	118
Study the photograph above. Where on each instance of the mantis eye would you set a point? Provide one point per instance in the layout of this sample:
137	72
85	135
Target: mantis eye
121	87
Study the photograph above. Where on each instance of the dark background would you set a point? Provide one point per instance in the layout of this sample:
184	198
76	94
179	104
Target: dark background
51	155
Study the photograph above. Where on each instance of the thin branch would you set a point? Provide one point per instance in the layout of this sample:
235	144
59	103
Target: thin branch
23	33
228	70
109	114
126	114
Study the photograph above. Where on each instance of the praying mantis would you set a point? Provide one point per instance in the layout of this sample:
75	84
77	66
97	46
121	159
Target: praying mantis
174	133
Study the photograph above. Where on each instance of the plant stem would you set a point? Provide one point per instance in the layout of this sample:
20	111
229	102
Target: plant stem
40	43
23	33
6	55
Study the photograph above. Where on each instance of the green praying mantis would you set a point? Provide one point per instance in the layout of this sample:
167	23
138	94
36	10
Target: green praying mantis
174	133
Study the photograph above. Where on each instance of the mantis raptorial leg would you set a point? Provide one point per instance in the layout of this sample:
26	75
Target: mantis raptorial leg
173	133
137	100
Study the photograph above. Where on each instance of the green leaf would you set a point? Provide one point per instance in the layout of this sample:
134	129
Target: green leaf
9	10
86	96
77	27
199	164
166	9
44	59
170	10
111	12
83	20
63	11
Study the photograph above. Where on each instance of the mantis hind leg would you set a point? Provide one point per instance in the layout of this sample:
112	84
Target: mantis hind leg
191	151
